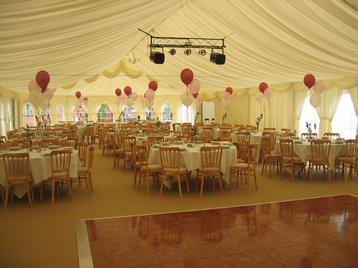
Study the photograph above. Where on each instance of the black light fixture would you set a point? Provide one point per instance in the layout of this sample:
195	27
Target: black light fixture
187	44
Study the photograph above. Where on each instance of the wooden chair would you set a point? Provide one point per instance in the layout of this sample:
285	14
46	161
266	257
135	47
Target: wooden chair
118	150
320	157
243	142
268	156
269	129
247	169
153	140
170	164
60	169
2	139
331	135
146	171
305	136
82	153
207	134
17	172
85	172
210	165
349	159
225	133
128	147
289	159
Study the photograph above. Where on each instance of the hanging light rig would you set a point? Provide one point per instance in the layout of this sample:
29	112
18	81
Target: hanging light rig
157	45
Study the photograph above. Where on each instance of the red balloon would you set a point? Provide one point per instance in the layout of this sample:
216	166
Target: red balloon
42	79
118	92
78	94
195	94
309	80
263	86
229	90
153	85
127	90
186	76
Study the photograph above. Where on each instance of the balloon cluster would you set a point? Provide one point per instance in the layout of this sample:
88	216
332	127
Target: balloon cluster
193	87
81	99
264	92
149	95
318	87
227	95
39	94
129	100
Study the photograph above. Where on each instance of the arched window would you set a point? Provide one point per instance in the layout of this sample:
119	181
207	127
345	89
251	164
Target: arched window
309	117
29	117
149	114
186	113
345	119
79	114
129	114
105	113
60	113
167	115
45	116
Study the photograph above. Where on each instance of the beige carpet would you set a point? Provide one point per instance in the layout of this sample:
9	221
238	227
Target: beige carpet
45	235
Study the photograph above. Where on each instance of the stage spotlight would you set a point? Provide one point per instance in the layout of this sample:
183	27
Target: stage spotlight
157	57
187	51
202	52
172	51
217	58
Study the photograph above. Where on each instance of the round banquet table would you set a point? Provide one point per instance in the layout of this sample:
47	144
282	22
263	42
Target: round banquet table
40	166
303	151
191	159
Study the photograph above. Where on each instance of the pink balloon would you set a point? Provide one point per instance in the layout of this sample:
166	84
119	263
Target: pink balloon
49	93
315	100
319	87
149	94
194	86
33	86
134	96
268	93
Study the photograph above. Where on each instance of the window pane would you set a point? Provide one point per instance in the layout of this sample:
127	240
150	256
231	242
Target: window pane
345	119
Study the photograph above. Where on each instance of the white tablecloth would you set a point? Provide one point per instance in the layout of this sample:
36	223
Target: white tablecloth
303	151
40	166
216	132
192	161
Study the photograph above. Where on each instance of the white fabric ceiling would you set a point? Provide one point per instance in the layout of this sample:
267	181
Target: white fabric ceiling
273	41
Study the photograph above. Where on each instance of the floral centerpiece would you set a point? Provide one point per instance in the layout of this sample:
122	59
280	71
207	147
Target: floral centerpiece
258	120
309	130
223	118
158	123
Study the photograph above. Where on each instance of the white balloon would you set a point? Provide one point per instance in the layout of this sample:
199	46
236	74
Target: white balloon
35	97
315	100
259	97
149	94
33	86
129	102
318	88
194	86
187	99
133	96
268	93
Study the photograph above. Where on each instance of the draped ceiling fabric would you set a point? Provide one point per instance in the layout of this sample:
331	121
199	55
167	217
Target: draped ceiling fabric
95	47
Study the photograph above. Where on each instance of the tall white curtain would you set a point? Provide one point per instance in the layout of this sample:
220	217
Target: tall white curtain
298	101
354	96
328	107
187	113
6	115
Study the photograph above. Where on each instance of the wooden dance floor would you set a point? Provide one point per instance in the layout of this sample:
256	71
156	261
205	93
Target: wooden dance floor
320	232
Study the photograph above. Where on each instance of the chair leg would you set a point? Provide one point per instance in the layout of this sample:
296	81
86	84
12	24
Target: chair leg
90	181
221	184
202	184
162	184
179	186
69	189
187	183
29	195
6	196
53	188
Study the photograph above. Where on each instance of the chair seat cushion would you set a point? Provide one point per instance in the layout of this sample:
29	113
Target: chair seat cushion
152	168
347	159
242	166
175	171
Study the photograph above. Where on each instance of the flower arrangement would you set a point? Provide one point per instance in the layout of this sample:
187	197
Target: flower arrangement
223	118
258	120
309	127
158	123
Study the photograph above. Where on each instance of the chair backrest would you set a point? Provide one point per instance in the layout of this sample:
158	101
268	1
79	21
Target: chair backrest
60	162
82	152
16	164
207	134
272	137
154	139
320	150
90	156
269	129
169	157
211	157
307	135
225	132
141	154
129	143
331	135
351	148
266	145
286	146
252	154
